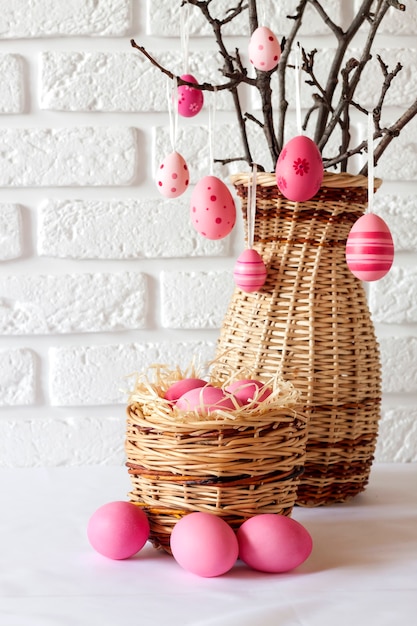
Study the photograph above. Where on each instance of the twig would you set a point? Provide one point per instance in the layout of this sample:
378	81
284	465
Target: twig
392	132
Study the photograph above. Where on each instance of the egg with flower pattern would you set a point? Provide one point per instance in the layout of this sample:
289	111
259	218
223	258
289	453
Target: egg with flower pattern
299	169
190	100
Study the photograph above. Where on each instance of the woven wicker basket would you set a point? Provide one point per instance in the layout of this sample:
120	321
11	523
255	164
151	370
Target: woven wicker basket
310	323
234	464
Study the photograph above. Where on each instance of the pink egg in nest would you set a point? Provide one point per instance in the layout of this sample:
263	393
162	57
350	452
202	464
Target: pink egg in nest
173	177
369	248
249	271
190	100
180	387
273	543
246	390
204	544
264	49
118	530
299	169
213	210
205	400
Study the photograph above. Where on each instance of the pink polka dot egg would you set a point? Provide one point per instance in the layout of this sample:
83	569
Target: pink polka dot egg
213	211
173	177
264	49
369	248
190	100
249	271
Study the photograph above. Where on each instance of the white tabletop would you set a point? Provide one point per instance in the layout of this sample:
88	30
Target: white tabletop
363	569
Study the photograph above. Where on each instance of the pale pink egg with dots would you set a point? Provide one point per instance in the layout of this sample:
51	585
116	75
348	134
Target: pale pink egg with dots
264	49
180	387
204	544
118	530
273	543
205	400
369	248
190	100
213	210
249	272
172	177
247	389
299	169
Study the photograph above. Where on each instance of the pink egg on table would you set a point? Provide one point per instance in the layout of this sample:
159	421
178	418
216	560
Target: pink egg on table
180	387
206	400
273	543
118	530
249	271
246	389
190	100
299	169
264	49
204	544
172	177
369	248
213	211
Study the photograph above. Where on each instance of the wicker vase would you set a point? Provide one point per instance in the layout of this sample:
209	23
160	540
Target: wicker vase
311	323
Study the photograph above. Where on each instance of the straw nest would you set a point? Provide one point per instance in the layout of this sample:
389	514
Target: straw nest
233	463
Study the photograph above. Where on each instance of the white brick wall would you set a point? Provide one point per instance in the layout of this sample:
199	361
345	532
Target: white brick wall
100	276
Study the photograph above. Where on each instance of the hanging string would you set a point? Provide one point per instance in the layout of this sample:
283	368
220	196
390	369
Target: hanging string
211	125
185	36
251	209
172	97
297	91
370	162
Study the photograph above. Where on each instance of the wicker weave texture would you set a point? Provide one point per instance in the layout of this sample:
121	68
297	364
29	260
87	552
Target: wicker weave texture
311	324
232	464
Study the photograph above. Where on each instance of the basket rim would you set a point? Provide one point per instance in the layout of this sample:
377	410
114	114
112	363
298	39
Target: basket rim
330	179
218	420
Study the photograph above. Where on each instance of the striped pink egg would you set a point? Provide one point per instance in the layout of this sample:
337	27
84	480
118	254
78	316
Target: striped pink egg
369	248
250	271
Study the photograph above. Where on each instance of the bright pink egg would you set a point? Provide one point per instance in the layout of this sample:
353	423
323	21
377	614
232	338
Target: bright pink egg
264	49
213	211
246	389
190	100
180	387
369	248
173	177
118	530
299	170
249	271
206	400
273	543
204	544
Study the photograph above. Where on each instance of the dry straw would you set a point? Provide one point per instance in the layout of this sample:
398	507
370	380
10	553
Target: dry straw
234	464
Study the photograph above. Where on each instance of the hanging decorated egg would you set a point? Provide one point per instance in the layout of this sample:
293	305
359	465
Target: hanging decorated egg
213	211
369	248
264	49
250	271
173	177
299	169
190	100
